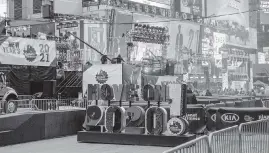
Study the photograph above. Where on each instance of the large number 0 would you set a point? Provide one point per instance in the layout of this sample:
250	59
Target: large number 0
44	52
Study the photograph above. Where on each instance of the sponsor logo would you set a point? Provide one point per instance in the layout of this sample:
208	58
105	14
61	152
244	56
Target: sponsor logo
176	126
192	117
30	53
214	117
263	117
102	77
248	118
230	117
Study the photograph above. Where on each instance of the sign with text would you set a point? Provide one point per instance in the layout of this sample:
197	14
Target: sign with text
73	7
264	11
22	51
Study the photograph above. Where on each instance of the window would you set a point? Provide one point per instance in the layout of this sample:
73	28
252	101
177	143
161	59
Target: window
37	4
17	9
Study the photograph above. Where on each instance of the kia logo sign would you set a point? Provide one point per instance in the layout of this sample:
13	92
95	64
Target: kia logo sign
230	117
213	117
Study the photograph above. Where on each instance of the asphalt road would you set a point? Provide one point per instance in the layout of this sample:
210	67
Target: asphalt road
70	145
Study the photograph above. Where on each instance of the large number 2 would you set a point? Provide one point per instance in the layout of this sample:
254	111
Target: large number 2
44	52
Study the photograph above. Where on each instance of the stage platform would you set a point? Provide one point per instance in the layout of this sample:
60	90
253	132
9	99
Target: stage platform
33	126
133	139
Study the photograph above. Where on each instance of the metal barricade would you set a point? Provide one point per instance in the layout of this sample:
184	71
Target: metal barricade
72	103
254	137
22	97
265	103
2	107
44	104
199	145
225	140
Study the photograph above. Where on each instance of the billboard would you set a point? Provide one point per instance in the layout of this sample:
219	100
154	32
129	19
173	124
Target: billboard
184	41
194	7
156	3
119	45
47	28
236	7
264	11
184	37
95	34
72	26
144	50
31	52
72	7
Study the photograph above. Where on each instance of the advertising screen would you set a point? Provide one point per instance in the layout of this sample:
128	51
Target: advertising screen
120	30
194	7
184	41
237	8
144	50
73	7
184	37
156	3
264	13
95	33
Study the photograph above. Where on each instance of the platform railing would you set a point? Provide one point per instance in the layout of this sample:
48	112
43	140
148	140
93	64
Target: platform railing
225	140
254	137
199	145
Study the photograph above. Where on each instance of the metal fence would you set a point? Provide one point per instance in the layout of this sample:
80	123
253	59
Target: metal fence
25	105
251	137
2	107
254	137
199	145
266	103
224	141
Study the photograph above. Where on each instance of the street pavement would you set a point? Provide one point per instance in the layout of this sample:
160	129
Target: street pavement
70	145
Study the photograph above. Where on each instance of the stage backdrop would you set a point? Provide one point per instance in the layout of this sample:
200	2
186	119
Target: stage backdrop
22	51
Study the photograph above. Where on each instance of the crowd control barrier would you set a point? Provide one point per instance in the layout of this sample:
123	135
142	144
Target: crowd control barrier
199	145
254	137
251	137
24	105
266	103
224	141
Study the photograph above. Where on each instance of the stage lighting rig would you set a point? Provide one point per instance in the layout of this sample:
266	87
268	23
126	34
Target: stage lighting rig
149	34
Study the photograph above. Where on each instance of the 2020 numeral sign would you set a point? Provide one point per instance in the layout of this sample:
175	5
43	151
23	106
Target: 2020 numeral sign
115	120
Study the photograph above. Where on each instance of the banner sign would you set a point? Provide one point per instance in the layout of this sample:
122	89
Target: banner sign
227	117
189	10
143	7
32	52
264	11
72	26
47	28
96	35
102	74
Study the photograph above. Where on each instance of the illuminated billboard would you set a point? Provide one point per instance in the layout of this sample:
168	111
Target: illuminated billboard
238	9
264	13
72	7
